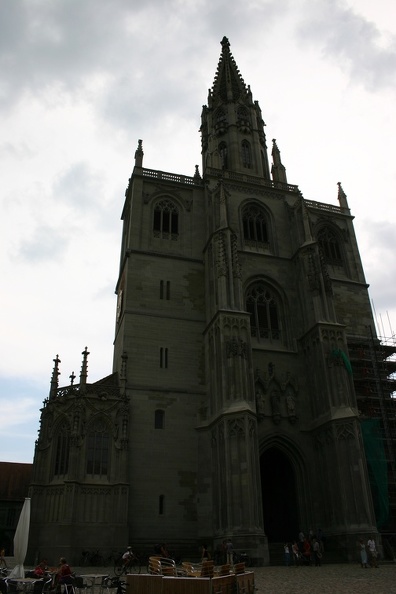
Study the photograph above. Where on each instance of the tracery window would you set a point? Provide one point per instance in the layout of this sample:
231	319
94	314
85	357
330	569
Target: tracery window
262	305
220	118
330	247
62	451
246	154
223	155
166	220
98	445
254	224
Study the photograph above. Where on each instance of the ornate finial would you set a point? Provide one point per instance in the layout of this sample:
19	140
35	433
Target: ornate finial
224	42
54	378
139	154
72	378
84	368
196	174
342	197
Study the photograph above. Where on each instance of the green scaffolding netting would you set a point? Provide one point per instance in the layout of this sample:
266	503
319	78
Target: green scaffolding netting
373	439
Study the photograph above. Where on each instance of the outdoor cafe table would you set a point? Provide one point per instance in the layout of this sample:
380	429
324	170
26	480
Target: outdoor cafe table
93	578
24	584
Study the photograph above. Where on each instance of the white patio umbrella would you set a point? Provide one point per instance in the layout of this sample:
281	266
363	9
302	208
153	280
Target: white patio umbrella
21	540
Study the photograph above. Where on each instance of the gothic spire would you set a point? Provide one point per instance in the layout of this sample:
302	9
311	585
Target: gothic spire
228	84
278	170
139	154
342	198
84	368
54	378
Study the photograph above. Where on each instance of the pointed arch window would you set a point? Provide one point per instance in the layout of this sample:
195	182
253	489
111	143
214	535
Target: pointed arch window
220	121
330	247
223	155
255	230
166	220
246	154
263	307
62	452
98	442
243	120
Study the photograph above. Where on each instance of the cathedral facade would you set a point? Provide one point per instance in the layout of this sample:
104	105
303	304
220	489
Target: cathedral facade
231	411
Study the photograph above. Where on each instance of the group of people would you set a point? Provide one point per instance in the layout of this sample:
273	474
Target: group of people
368	553
60	575
224	553
307	550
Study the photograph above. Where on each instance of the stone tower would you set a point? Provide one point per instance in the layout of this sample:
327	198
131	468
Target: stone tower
236	302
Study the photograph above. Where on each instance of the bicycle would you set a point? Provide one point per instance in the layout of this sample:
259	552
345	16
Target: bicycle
131	565
93	558
241	558
120	586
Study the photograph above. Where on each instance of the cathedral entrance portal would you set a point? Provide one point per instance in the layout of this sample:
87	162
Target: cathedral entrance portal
278	487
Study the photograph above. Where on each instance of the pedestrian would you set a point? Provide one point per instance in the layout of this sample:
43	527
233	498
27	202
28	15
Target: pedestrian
317	552
372	551
286	549
3	562
296	553
230	552
363	553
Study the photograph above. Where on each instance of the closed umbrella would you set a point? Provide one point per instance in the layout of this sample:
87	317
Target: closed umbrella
21	540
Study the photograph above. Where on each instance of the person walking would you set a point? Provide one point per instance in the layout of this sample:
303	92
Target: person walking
317	552
363	554
372	551
230	552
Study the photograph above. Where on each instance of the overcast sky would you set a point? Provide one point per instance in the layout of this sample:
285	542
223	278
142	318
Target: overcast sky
82	80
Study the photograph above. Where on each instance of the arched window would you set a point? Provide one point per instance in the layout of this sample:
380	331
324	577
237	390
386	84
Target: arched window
98	442
262	305
223	155
159	419
220	121
246	154
61	467
329	246
254	224
166	220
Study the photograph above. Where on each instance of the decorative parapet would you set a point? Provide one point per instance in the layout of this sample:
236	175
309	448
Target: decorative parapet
172	177
323	206
252	179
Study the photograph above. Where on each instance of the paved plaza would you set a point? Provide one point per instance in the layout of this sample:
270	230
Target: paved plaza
334	579
327	579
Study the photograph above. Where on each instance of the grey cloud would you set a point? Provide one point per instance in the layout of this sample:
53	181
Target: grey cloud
78	186
46	244
352	41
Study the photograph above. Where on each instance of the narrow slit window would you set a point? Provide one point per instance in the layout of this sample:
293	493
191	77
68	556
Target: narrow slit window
161	505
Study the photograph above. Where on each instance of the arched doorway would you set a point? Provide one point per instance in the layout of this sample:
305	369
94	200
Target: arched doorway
278	488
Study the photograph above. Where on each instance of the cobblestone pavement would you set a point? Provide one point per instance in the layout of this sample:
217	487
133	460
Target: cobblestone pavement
334	579
328	579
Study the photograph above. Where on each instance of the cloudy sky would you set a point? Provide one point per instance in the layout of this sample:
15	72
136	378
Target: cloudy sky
82	80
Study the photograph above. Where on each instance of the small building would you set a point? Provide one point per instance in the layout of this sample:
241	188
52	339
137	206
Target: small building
15	479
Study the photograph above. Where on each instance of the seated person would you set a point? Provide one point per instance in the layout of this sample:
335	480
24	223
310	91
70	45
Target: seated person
41	569
64	572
